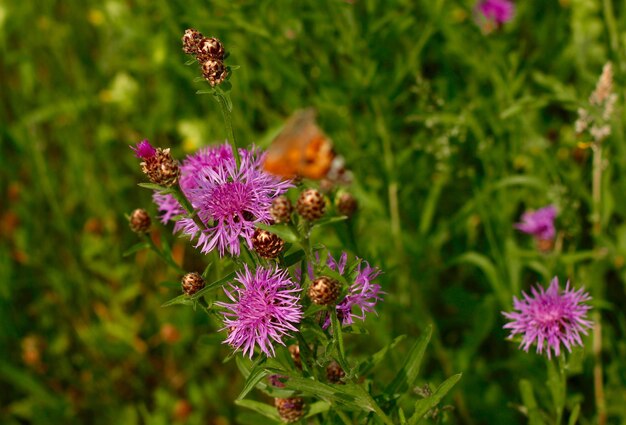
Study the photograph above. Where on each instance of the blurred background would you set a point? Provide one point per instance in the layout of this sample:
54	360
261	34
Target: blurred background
451	129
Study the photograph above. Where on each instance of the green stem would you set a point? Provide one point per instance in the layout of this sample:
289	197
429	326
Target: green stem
224	103
168	259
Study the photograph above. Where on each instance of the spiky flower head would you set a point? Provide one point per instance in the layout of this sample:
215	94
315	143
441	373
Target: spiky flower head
212	157
230	199
265	308
496	12
157	164
362	296
550	318
539	223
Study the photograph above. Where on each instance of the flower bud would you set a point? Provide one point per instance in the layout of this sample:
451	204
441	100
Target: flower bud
140	221
192	283
324	290
346	204
210	49
290	409
294	350
311	204
191	41
281	209
267	244
334	373
214	72
161	168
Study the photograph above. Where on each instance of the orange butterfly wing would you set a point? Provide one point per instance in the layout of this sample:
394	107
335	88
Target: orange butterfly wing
301	149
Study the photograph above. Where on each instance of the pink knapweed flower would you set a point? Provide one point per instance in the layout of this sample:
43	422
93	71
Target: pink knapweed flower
265	308
550	317
212	157
496	11
229	200
539	223
362	294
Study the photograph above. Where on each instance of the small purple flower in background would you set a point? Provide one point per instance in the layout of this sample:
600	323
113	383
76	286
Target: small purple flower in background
264	309
494	13
550	318
229	200
362	295
539	223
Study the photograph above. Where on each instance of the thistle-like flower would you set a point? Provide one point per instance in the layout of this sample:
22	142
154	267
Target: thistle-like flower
496	11
539	223
550	318
229	200
362	294
265	308
212	157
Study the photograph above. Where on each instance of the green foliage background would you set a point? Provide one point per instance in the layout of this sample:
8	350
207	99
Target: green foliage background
451	134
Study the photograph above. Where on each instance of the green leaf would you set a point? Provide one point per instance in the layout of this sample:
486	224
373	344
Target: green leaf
317	408
573	417
490	271
261	408
424	405
528	398
350	396
153	186
406	376
370	363
284	231
137	247
328	220
338	339
293	258
254	376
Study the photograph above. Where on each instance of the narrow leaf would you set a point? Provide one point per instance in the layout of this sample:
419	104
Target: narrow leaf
137	247
406	376
261	408
424	405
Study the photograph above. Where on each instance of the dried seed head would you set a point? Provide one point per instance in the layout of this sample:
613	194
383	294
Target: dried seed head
214	71
281	209
210	49
140	221
191	41
290	409
267	244
311	204
346	204
294	350
192	283
324	290
161	168
334	373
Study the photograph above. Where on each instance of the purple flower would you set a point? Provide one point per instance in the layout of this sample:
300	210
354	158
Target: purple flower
229	199
362	294
539	223
496	11
550	317
144	149
213	157
263	310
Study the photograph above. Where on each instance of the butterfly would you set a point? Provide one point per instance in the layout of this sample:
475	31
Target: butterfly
302	149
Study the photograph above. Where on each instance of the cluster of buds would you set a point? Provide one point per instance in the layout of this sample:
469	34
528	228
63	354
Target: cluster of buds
311	205
602	100
209	52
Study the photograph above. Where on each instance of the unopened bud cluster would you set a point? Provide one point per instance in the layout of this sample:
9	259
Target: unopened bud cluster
192	283
290	409
139	221
324	290
311	204
267	244
209	52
